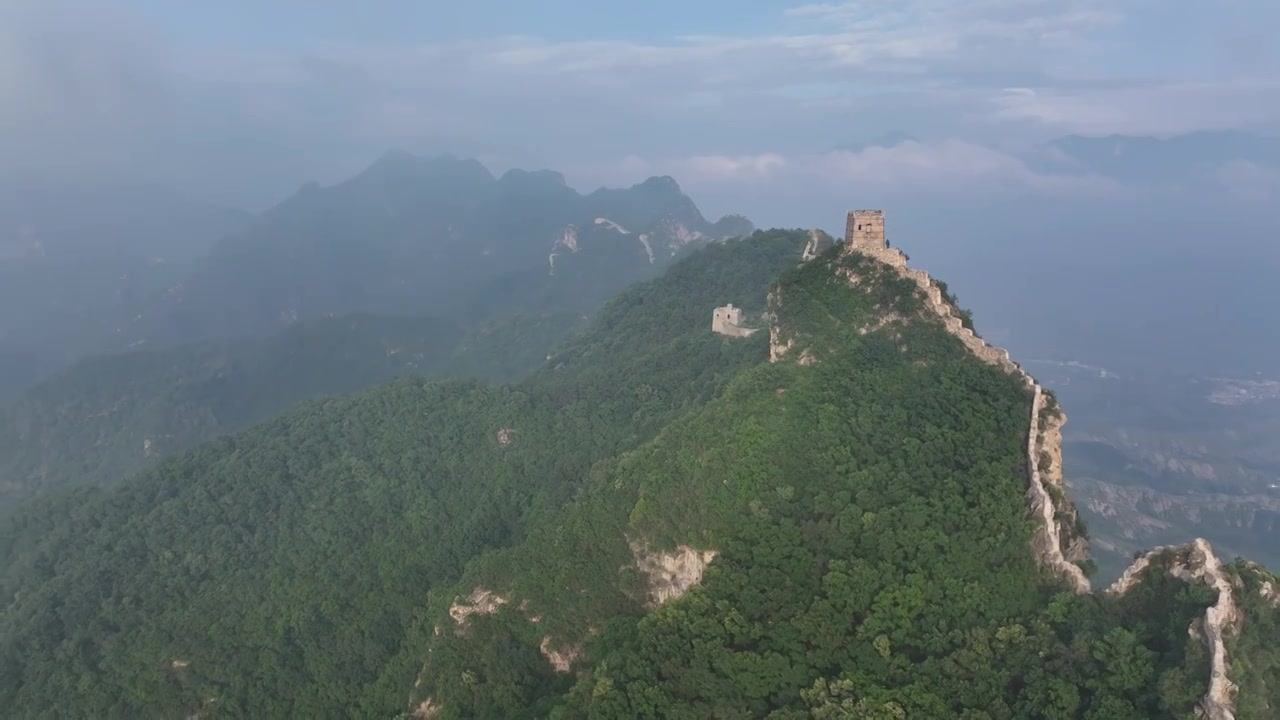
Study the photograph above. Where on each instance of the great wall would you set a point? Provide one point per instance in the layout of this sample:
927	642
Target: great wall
1195	562
1057	543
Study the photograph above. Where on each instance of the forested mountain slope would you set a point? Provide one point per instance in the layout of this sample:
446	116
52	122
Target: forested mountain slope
660	522
280	570
108	416
503	268
843	533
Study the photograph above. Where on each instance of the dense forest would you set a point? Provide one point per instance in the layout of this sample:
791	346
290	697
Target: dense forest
108	416
416	266
305	547
455	549
867	512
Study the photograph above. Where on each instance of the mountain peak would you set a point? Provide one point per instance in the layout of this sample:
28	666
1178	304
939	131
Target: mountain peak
400	165
660	183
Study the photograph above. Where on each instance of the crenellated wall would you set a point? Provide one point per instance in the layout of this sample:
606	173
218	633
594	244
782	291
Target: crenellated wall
1056	543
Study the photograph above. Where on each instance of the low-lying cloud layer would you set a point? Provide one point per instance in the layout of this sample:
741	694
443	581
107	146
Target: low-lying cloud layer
116	89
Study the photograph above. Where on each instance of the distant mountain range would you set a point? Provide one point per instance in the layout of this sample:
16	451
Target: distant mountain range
439	235
415	267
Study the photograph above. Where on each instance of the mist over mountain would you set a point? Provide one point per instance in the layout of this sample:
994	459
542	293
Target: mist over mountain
412	235
1147	159
1137	252
417	266
77	260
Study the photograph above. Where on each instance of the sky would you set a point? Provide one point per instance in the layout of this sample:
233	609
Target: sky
243	100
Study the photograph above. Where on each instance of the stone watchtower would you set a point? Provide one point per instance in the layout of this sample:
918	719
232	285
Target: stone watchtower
727	320
864	230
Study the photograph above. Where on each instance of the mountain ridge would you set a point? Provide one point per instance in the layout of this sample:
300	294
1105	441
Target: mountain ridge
499	323
834	516
410	235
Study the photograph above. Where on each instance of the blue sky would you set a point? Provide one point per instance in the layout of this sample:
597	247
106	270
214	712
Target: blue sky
292	22
245	100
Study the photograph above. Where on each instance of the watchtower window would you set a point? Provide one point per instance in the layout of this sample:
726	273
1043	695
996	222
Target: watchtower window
859	227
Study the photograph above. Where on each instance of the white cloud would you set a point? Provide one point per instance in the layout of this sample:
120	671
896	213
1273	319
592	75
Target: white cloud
954	167
1159	109
704	167
734	106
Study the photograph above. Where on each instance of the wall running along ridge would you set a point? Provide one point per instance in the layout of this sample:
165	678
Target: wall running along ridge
1053	544
1195	562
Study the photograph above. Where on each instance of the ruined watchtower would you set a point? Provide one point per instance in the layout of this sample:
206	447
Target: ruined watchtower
727	320
864	230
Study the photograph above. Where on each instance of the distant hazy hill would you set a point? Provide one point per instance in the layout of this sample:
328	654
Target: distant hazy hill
438	235
77	261
503	270
106	417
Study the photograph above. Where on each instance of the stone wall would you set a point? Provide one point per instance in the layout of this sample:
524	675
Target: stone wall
727	320
1055	544
1195	562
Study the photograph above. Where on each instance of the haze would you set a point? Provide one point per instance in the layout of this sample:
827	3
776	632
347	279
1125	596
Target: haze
1151	249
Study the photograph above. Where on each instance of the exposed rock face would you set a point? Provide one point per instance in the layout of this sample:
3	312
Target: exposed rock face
480	602
567	242
777	348
1056	543
1195	562
560	660
680	234
672	574
426	710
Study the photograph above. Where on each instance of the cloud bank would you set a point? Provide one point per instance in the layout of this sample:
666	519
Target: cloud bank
979	82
